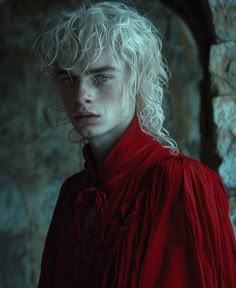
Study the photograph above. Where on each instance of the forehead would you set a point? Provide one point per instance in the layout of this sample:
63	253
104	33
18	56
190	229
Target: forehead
92	60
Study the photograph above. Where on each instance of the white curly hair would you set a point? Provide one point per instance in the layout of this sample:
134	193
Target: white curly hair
130	37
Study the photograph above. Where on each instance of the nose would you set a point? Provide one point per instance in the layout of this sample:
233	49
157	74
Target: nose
84	92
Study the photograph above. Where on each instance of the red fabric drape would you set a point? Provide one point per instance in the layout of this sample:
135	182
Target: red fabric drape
161	221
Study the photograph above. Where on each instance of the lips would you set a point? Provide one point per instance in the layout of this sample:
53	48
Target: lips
86	114
86	117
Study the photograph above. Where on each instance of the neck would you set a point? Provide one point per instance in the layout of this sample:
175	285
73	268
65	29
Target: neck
102	145
100	149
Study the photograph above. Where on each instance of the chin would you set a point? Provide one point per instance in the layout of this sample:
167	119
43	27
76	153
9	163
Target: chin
87	133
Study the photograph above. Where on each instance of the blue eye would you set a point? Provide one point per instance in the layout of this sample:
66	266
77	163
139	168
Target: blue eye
102	78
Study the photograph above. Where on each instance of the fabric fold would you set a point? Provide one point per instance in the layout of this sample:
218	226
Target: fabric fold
161	220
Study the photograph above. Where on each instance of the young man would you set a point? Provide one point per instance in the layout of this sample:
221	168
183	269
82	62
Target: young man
140	214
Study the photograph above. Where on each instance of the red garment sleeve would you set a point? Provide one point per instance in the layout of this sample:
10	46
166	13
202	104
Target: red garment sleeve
191	242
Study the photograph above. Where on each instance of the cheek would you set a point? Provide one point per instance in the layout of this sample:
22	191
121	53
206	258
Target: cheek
109	97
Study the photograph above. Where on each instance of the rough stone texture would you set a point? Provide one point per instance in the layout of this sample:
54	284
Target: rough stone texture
224	113
225	119
223	68
232	207
227	170
224	19
223	74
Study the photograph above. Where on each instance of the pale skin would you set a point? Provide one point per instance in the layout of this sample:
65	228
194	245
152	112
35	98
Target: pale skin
95	103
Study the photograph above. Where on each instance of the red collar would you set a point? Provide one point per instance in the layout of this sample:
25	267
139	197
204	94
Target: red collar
129	151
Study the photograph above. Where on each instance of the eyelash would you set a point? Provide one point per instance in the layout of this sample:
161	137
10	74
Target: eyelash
72	81
102	75
98	77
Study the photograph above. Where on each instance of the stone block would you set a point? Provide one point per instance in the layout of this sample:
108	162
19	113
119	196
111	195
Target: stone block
227	170
225	120
233	221
223	68
232	205
224	18
225	143
225	113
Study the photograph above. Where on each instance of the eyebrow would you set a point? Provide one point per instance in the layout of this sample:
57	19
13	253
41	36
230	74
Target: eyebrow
102	69
60	71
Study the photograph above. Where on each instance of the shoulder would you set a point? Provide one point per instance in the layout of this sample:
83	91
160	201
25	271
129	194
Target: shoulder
72	185
186	168
192	202
198	189
75	179
190	182
185	185
168	163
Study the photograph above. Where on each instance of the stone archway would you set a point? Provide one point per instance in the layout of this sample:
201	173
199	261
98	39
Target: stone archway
199	32
198	17
183	98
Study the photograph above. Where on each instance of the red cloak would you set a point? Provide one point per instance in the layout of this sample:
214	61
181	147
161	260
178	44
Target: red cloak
161	221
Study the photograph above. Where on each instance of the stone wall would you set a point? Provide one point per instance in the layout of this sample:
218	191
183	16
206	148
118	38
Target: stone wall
222	69
36	155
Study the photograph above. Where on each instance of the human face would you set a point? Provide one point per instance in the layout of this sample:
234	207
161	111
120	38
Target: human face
94	101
